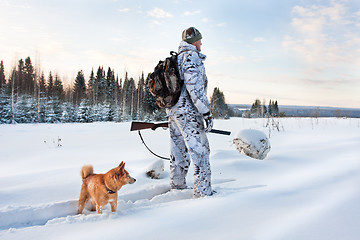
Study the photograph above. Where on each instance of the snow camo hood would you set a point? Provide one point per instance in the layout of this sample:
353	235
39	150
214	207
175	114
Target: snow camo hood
193	96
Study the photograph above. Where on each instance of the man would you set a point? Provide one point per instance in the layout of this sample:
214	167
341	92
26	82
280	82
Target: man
186	119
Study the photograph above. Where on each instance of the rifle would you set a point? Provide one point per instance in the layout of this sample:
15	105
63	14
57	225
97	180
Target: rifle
137	126
153	126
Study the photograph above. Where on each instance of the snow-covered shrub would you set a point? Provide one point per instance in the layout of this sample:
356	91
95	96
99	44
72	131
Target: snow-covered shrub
155	169
252	143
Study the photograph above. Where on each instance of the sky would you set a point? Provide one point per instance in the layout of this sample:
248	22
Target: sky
298	52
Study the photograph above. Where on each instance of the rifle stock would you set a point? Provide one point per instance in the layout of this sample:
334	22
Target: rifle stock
147	125
153	126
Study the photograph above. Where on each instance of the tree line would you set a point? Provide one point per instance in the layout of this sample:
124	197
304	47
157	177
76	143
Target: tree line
259	109
27	95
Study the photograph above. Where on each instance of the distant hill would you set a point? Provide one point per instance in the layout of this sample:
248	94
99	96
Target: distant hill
305	111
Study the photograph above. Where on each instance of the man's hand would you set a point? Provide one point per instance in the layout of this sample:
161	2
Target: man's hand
209	123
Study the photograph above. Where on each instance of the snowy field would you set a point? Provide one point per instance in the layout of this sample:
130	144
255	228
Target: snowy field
308	186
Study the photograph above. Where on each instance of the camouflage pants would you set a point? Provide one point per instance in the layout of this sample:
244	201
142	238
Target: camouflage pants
189	143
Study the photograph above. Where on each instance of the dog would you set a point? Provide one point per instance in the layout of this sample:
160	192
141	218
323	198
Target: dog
102	188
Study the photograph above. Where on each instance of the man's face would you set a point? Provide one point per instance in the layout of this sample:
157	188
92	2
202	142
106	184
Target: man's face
198	44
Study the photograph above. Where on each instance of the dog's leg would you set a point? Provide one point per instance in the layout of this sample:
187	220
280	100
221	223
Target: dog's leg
113	205
99	209
92	206
84	196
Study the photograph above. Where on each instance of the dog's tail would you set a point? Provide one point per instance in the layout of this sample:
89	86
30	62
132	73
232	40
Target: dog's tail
86	171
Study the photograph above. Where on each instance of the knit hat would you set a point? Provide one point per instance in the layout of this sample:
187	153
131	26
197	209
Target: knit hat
191	35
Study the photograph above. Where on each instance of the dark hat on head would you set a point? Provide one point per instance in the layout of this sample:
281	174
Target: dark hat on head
191	35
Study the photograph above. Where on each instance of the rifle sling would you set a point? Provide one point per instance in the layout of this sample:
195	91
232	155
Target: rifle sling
165	158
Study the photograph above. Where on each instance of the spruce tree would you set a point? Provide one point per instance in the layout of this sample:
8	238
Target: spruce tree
92	88
42	98
58	88
276	109
141	97
270	108
50	86
79	88
110	87
58	98
29	77
18	79
219	108
2	76
101	85
149	100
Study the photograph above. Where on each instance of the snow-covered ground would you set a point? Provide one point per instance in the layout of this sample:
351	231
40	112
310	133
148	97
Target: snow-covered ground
308	186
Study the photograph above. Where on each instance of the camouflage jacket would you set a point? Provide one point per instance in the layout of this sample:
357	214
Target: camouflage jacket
193	98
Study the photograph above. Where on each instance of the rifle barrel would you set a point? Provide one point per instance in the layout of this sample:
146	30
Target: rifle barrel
220	132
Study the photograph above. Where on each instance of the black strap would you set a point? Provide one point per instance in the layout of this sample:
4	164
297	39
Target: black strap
109	190
150	149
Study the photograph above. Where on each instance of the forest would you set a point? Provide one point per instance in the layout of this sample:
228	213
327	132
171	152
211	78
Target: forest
27	95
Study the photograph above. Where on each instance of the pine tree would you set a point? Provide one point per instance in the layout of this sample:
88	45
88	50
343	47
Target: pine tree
58	88
149	100
5	107
273	108
92	88
50	86
19	79
12	90
29	77
118	100
101	85
2	75
276	109
85	112
42	84
128	97
79	88
141	97
58	97
258	109
42	98
110	87
219	108
270	107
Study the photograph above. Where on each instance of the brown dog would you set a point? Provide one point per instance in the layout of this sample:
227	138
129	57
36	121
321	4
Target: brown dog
102	188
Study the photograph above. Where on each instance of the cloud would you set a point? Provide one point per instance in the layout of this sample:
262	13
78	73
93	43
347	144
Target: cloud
159	13
157	22
324	34
326	42
12	5
205	20
259	39
223	24
188	13
123	10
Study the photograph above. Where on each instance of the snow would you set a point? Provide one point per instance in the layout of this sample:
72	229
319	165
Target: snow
306	188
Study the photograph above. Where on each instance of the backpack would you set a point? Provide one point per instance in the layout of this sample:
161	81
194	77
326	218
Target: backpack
165	83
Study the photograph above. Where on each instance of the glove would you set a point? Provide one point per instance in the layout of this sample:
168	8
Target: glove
209	123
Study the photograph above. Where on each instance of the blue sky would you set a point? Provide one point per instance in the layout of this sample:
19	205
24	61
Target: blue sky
298	52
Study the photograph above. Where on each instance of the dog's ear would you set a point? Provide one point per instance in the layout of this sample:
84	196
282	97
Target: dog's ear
122	164
122	167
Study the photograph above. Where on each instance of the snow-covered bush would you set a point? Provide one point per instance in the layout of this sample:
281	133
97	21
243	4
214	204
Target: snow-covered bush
252	143
155	169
